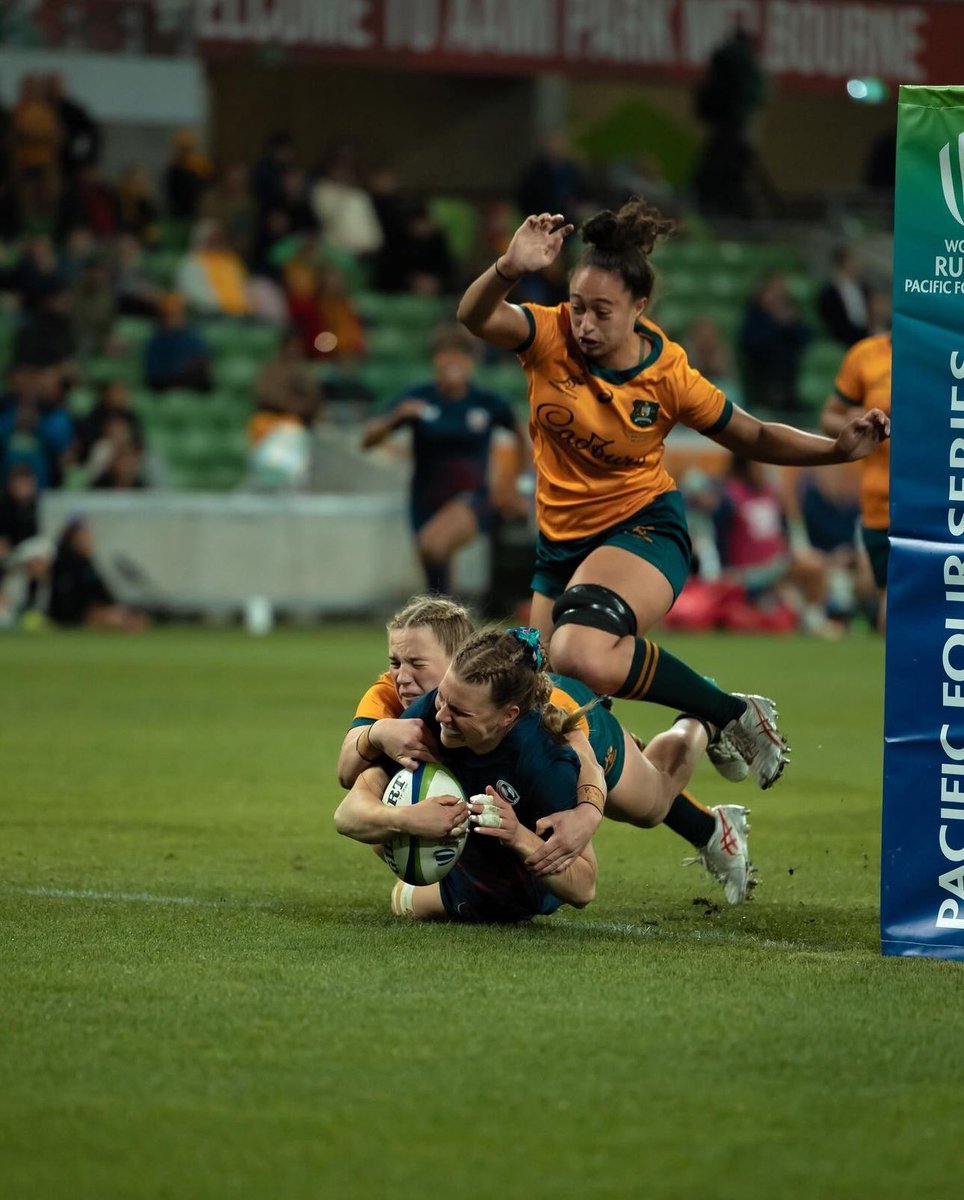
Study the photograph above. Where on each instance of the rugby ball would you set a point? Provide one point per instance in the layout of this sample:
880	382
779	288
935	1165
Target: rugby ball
414	859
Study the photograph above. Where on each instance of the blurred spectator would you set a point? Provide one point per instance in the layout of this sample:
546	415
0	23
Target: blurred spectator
733	85
285	390
116	460
138	213
212	277
278	155
175	355
110	416
46	336
35	142
93	307
755	552
553	182
24	555
137	293
81	140
339	316
549	286
79	596
389	207
425	263
230	203
707	349
186	176
730	180
88	200
842	301
829	500
288	400
295	200
34	426
771	342
342	207
273	243
880	301
320	307
36	272
75	249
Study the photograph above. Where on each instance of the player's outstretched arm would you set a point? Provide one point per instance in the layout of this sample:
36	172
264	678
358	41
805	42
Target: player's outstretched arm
363	816
770	442
483	309
375	431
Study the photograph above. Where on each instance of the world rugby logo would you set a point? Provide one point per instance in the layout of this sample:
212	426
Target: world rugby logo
947	177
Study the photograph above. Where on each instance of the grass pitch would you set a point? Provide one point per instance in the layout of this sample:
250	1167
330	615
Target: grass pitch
203	996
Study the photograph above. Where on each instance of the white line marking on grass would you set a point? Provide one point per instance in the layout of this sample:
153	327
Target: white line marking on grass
651	933
47	893
658	933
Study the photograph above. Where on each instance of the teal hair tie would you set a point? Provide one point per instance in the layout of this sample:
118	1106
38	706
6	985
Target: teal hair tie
529	638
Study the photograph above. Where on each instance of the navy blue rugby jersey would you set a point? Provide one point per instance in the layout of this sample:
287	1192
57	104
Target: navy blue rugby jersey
451	441
529	770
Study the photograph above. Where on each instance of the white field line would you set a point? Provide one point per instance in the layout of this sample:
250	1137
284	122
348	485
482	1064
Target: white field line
52	893
649	933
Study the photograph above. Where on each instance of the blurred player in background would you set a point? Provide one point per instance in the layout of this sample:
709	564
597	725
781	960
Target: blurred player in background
605	388
423	638
491	720
452	423
863	382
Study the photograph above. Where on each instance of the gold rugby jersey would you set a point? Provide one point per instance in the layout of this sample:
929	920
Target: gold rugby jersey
598	434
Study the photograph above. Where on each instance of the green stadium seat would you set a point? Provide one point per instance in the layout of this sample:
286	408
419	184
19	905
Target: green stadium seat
813	389
236	374
824	355
506	379
459	222
386	381
162	266
133	332
389	341
80	400
105	370
417	314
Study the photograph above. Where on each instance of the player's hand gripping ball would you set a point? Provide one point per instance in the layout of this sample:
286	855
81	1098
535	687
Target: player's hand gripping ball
423	859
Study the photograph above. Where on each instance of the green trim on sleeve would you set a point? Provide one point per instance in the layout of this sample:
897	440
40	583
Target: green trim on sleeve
847	399
360	721
722	420
524	346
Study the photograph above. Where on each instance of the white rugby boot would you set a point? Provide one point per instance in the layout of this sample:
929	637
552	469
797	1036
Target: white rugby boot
724	755
758	740
726	855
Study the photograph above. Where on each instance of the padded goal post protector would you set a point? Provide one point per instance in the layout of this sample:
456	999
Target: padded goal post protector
922	860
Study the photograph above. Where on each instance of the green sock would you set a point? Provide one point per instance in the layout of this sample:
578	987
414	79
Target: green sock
690	820
662	678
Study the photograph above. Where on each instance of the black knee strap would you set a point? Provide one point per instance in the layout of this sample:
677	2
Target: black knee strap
596	606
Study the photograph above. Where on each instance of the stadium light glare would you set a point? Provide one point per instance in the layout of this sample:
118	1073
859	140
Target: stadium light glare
867	91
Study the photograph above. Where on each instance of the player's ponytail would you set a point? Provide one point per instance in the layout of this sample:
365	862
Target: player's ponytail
621	242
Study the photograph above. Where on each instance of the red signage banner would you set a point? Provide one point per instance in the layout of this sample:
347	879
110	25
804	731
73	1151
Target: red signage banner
812	43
